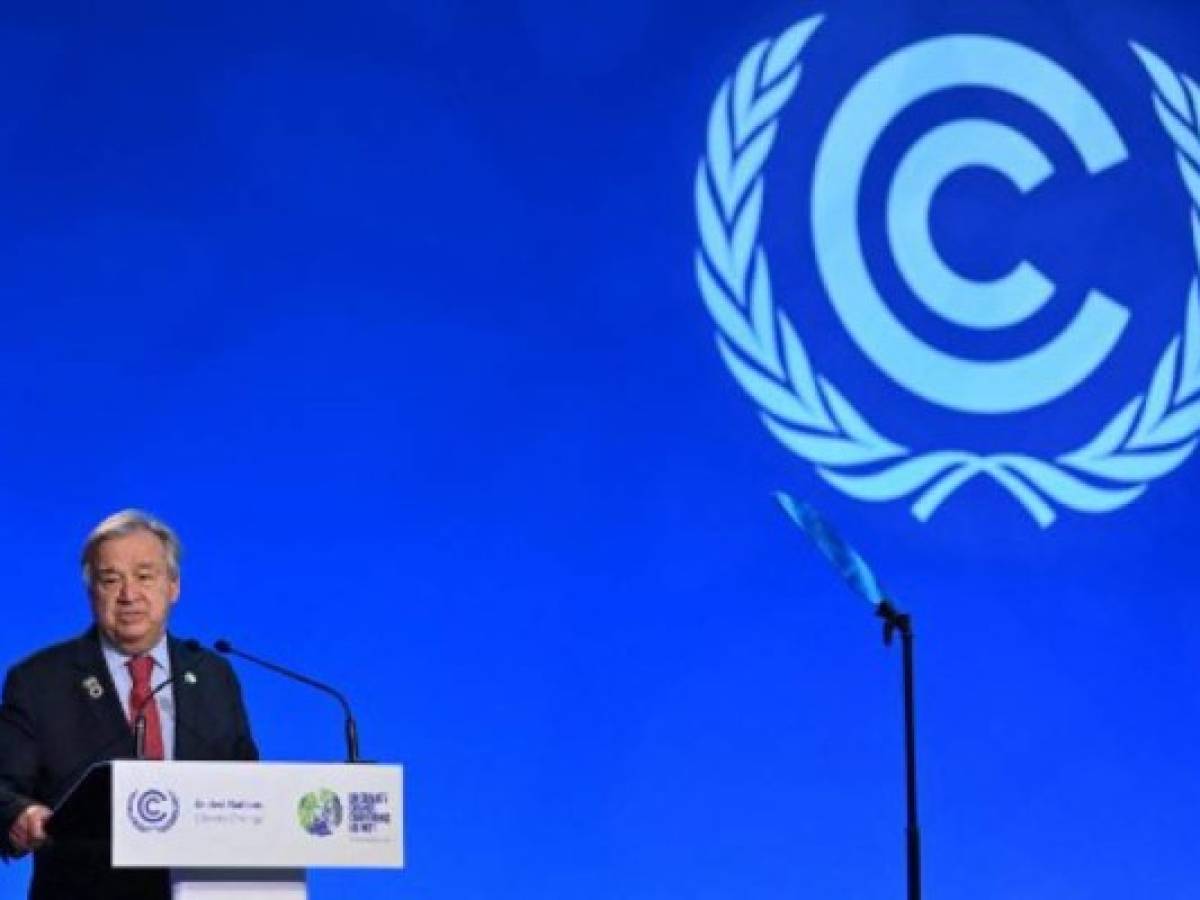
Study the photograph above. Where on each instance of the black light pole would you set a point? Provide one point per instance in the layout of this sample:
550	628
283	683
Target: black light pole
896	621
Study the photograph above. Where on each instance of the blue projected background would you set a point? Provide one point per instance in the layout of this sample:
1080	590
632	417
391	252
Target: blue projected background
391	309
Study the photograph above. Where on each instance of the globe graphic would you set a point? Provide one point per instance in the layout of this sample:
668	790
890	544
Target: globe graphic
320	812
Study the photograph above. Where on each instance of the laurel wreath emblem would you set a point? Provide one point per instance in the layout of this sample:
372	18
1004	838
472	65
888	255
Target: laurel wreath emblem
1150	436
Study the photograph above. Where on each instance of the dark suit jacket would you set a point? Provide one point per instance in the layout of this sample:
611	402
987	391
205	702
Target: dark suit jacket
52	728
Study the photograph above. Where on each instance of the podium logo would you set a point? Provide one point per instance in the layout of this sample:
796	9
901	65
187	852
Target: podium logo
1140	439
152	809
320	812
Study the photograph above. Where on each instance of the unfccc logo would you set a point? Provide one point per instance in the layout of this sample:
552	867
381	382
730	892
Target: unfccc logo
1149	436
152	809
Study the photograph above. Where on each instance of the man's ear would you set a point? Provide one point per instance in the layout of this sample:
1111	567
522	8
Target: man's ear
174	591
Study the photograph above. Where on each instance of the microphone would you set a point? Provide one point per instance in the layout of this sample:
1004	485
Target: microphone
139	712
223	646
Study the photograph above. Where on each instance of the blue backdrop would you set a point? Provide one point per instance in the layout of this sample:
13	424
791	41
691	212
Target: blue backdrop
391	309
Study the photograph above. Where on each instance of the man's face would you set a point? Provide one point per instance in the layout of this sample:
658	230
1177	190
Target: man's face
133	590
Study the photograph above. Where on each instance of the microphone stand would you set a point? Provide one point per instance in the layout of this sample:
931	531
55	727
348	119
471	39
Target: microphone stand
895	621
139	714
139	736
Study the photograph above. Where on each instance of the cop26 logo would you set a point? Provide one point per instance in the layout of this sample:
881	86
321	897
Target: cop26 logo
1145	439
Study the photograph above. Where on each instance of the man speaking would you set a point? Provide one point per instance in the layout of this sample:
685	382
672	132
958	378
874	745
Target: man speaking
76	703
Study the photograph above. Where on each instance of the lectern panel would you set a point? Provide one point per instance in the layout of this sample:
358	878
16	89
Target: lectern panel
256	815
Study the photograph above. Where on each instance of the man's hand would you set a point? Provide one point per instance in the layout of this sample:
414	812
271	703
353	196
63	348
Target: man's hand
28	831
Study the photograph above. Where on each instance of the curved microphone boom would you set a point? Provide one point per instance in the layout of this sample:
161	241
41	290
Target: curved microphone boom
139	712
223	646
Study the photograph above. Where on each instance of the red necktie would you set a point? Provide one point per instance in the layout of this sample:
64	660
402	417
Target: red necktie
140	668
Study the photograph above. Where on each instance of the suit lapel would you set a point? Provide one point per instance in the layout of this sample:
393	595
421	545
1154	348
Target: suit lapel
186	690
95	685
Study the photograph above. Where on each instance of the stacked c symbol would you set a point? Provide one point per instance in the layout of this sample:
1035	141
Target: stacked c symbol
901	79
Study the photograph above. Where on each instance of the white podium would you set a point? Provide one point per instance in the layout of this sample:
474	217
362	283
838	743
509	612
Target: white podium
240	830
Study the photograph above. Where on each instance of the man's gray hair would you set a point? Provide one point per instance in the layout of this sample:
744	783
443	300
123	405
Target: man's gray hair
126	522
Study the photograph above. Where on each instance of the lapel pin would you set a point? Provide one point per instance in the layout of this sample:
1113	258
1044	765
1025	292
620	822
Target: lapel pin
91	684
189	677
